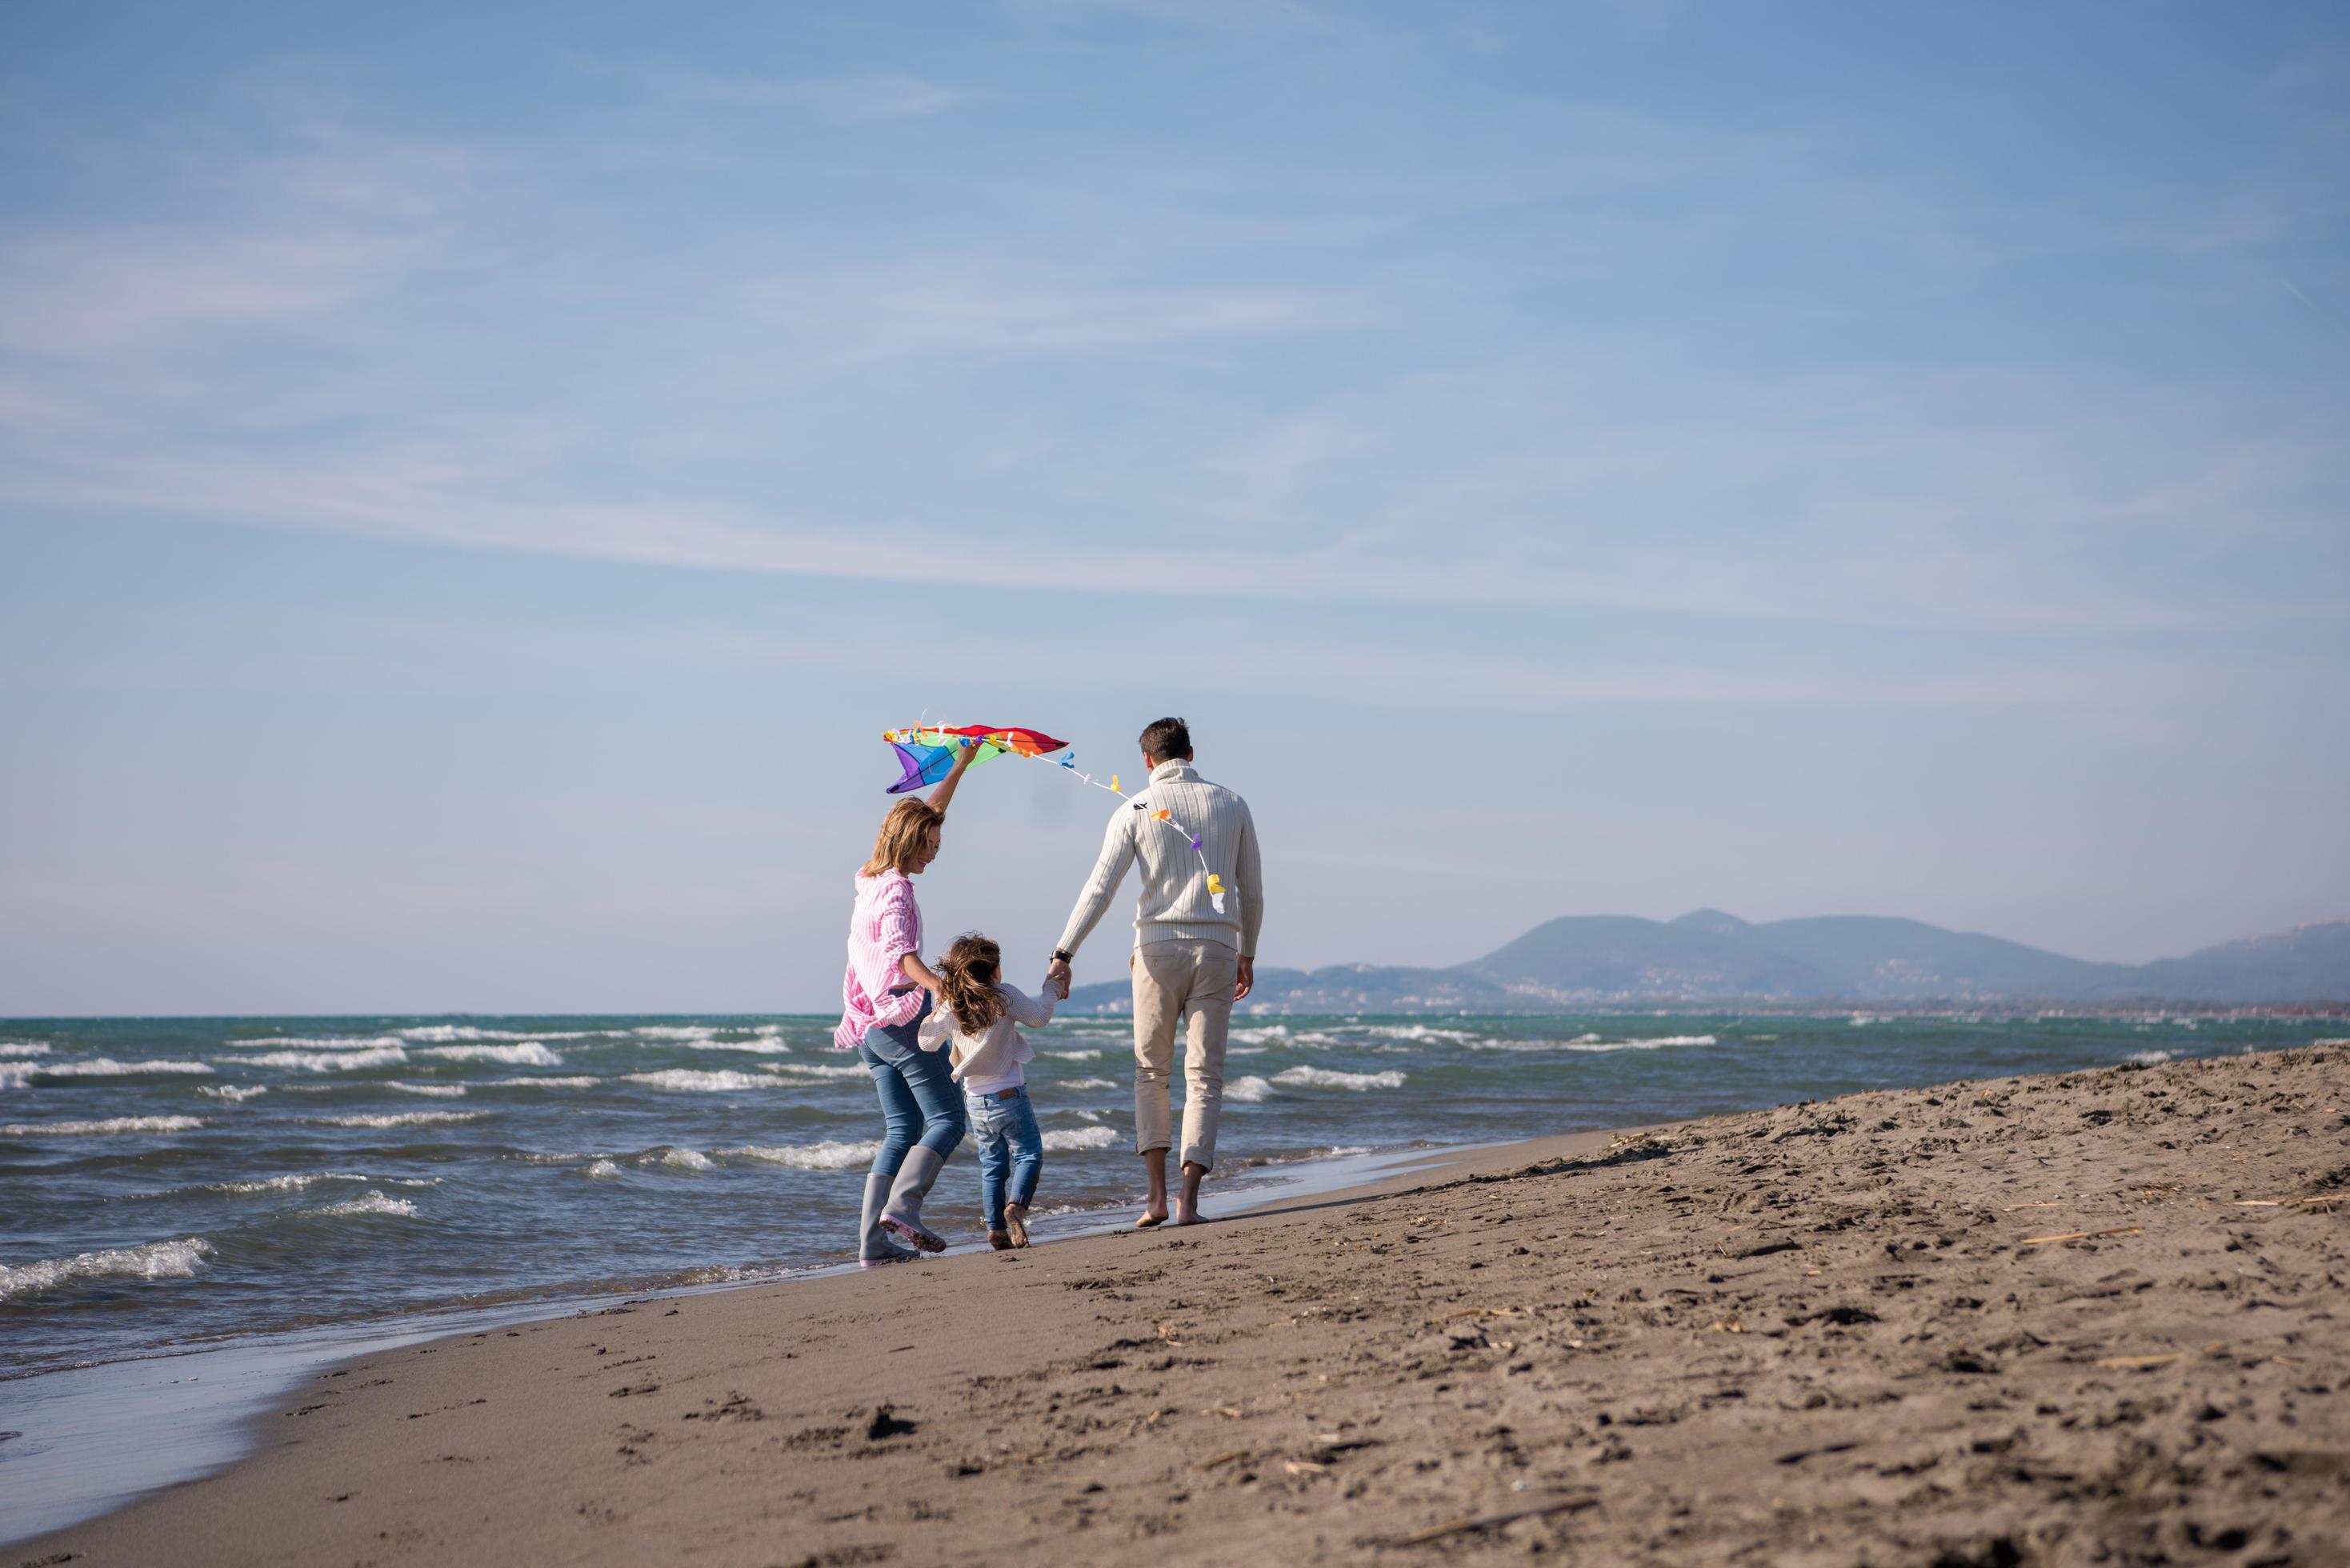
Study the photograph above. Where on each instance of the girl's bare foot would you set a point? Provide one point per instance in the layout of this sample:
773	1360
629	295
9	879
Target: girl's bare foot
1151	1217
1015	1221
1186	1213
1002	1241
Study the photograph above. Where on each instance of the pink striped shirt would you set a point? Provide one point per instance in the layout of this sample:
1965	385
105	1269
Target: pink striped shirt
884	928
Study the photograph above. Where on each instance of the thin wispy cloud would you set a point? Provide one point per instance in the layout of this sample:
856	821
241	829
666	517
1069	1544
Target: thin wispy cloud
848	100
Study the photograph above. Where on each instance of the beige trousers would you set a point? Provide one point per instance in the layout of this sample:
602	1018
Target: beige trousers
1175	982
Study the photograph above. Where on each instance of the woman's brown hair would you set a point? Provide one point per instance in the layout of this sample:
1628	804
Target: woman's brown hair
903	832
968	976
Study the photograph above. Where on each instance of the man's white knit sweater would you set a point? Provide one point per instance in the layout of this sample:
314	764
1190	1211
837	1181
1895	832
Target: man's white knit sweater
1175	904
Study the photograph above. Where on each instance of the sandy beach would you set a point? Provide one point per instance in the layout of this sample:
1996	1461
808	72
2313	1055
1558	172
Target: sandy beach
2085	1318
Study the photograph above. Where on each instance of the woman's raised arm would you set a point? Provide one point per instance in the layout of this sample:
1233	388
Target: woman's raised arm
945	792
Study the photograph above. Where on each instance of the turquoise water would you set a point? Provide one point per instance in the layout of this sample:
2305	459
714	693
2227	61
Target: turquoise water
167	1182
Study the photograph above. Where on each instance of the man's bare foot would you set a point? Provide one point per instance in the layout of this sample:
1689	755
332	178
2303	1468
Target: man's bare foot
999	1240
1187	1197
1016	1224
1151	1217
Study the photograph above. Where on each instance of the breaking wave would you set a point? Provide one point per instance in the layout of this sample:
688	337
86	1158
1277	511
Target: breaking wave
372	1201
234	1094
1326	1078
399	1119
106	1067
110	1125
1247	1091
348	1059
155	1261
529	1054
294	1182
807	1157
690	1080
1068	1138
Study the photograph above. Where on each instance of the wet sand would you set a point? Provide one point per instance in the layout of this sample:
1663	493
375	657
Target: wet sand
2095	1317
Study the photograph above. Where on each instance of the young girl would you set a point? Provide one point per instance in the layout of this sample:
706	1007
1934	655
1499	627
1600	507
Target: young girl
978	1015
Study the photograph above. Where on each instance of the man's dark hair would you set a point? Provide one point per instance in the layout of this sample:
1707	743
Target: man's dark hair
1168	740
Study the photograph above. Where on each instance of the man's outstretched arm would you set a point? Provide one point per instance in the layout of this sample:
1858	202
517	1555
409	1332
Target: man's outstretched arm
1109	870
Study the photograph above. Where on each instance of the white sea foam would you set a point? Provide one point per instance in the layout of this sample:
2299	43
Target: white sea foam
602	1170
372	1201
689	1080
444	1033
98	1128
807	1157
680	1160
106	1067
293	1183
234	1094
155	1261
529	1054
1068	1138
1076	1056
2330	1042
1088	1084
765	1046
437	1091
675	1031
810	1070
2149	1058
1419	1032
542	1084
350	1060
1247	1091
23	1048
1326	1078
399	1119
14	1075
324	1041
1260	1034
1593	1044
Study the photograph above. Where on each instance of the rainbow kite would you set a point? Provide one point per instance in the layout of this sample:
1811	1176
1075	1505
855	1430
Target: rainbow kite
926	754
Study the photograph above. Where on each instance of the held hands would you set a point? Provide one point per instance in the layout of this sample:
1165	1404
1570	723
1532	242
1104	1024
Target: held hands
1060	974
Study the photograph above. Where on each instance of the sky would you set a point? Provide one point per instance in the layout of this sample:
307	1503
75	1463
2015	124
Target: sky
476	482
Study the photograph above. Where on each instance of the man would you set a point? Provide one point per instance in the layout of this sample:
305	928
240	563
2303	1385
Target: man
1195	931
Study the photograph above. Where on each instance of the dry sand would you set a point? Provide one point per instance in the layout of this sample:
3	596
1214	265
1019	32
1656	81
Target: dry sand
2092	1318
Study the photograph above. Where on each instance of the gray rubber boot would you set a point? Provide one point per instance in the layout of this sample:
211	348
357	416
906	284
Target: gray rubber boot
903	1213
874	1246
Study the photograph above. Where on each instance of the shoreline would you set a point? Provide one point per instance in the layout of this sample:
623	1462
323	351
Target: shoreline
148	1431
2086	1316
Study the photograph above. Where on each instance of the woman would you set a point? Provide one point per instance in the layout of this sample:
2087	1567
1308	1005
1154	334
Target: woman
885	995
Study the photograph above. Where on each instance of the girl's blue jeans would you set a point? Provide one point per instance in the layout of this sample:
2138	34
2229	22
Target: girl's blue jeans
920	1102
1011	1152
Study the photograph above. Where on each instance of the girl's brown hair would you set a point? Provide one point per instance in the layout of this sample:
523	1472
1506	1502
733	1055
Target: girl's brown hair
968	975
903	831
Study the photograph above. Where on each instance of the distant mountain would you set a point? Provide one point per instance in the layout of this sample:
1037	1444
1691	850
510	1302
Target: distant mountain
1596	961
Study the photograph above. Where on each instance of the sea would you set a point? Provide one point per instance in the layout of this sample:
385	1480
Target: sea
169	1182
240	1198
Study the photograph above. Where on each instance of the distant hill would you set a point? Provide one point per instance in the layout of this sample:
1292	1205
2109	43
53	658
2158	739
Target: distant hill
1596	960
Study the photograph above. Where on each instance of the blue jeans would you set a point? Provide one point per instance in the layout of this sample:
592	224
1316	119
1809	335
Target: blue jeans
1008	1143
920	1102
